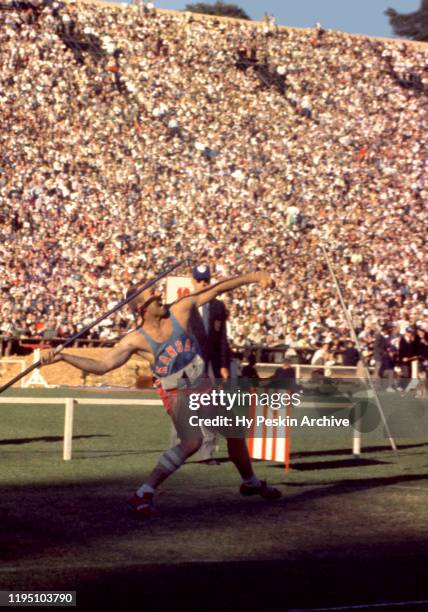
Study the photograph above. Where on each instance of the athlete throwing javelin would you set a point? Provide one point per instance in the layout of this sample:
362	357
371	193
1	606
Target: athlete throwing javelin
165	341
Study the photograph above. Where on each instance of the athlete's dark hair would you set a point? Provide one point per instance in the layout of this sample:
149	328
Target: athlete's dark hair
132	289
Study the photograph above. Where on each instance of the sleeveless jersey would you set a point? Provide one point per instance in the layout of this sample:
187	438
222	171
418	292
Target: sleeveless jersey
178	360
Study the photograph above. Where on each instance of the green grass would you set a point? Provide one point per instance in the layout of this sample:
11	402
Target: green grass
345	532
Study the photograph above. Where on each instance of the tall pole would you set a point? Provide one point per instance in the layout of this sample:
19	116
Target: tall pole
354	336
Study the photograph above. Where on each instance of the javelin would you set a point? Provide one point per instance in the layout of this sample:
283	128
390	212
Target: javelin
358	345
83	331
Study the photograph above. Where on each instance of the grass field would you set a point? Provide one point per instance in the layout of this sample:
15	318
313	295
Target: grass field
346	532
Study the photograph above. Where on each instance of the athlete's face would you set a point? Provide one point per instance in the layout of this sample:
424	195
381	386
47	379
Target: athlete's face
150	302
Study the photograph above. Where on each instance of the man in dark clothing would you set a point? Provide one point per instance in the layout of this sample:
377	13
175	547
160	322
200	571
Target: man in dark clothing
407	352
422	339
249	371
351	356
381	343
208	325
284	377
386	371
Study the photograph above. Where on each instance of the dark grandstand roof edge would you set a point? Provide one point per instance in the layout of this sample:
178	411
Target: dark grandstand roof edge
122	5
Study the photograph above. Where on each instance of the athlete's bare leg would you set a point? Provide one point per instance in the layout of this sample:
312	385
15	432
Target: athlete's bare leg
184	450
238	453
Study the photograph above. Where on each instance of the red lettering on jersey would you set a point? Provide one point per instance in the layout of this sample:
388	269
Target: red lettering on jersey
171	351
166	360
187	346
161	370
179	346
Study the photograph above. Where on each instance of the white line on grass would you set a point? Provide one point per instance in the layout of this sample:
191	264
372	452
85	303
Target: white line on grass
76	566
388	604
19	569
425	489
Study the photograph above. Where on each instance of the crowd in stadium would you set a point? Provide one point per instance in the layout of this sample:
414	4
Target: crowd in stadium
132	137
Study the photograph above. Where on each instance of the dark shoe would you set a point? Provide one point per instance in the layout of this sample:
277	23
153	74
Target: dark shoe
264	490
142	506
209	462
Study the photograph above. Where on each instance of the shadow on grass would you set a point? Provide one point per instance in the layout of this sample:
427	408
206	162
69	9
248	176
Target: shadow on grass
346	487
332	465
46	519
346	451
257	585
83	455
276	586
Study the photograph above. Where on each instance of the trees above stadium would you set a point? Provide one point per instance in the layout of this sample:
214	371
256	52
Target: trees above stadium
410	25
221	9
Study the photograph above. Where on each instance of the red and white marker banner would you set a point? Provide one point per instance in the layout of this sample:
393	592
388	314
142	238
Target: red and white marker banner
270	443
177	287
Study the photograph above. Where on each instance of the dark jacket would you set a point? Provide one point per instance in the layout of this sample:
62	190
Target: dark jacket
381	343
407	349
284	378
351	356
389	361
214	345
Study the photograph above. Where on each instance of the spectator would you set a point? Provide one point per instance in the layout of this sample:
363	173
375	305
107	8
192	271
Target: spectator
381	343
322	355
284	377
236	367
249	371
387	367
351	355
135	132
407	352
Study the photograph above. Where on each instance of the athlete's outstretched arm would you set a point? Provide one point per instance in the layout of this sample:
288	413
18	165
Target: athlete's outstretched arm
206	295
115	358
182	307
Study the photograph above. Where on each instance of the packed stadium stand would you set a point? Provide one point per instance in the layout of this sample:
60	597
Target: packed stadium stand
131	137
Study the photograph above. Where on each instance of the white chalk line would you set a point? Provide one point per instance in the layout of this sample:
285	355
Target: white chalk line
424	489
387	604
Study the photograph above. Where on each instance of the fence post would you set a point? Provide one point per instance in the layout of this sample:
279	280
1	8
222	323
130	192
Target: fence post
68	428
356	438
